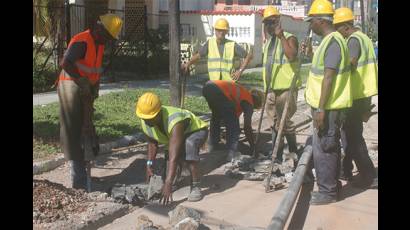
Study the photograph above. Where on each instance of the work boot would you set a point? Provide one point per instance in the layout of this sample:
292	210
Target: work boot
346	176
195	194
321	199
292	145
365	183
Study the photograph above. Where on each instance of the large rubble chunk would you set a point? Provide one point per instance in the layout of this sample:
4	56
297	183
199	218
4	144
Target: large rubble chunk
181	212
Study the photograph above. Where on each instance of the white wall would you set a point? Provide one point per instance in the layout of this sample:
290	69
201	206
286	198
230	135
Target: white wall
188	5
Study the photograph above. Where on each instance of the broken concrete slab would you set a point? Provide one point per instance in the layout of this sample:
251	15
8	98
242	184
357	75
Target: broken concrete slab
187	224
130	194
154	187
143	222
181	212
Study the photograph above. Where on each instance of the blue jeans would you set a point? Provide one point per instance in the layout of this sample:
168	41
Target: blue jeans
78	174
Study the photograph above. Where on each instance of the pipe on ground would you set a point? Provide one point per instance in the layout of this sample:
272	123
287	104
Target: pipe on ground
278	221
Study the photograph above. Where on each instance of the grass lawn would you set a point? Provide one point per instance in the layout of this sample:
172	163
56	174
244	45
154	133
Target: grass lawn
114	117
254	79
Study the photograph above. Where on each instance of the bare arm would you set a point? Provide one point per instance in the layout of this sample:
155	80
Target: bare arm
194	59
152	149
175	145
353	62
290	46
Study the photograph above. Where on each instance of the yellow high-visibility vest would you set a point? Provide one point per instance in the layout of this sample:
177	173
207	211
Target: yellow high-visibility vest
220	66
341	92
364	78
170	117
281	66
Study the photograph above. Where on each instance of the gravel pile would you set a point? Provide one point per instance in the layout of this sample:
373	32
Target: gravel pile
52	201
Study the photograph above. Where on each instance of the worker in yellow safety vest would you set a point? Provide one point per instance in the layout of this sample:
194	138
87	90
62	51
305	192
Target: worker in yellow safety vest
279	66
364	85
221	53
328	92
183	134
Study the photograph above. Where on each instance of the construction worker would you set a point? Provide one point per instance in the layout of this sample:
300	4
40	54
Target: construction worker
328	92
364	86
78	85
221	53
181	131
227	100
280	65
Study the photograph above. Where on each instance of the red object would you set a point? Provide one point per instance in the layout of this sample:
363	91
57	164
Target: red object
90	66
231	91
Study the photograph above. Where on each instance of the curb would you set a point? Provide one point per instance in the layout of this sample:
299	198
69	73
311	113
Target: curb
48	165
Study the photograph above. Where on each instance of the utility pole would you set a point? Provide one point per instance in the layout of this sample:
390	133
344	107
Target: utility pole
174	53
362	16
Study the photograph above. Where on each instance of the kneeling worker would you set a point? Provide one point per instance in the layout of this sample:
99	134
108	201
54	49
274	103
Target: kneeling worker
227	100
181	131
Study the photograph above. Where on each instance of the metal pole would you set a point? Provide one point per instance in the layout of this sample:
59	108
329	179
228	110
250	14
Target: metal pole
278	221
362	16
174	53
67	21
145	40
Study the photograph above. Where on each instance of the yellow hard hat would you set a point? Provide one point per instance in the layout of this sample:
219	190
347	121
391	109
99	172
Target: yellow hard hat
148	106
112	23
222	24
321	7
343	14
270	11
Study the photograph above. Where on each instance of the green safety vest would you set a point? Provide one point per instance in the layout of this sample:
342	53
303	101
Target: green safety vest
340	95
281	66
218	65
170	117
364	78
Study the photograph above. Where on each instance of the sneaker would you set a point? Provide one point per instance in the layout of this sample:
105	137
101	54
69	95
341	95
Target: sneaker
195	194
321	199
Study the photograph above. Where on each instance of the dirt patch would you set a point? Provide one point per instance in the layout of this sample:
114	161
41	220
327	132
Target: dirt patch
52	201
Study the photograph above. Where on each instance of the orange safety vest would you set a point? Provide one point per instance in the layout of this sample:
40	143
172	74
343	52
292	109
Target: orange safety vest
90	66
235	92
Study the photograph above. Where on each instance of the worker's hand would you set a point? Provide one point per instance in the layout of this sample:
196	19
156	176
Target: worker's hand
85	86
236	75
166	193
366	115
306	49
185	68
318	120
279	32
149	173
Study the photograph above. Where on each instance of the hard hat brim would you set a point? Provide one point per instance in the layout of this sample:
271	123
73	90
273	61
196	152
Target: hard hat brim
147	116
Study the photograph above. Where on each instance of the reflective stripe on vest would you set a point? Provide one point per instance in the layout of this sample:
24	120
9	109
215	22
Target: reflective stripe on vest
234	92
281	66
170	117
220	66
340	94
91	65
365	77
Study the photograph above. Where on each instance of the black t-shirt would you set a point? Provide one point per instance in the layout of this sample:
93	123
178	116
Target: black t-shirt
76	51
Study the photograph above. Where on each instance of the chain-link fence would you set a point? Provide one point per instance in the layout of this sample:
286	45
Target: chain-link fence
139	53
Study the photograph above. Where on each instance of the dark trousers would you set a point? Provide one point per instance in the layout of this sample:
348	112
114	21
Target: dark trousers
223	110
326	152
354	144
